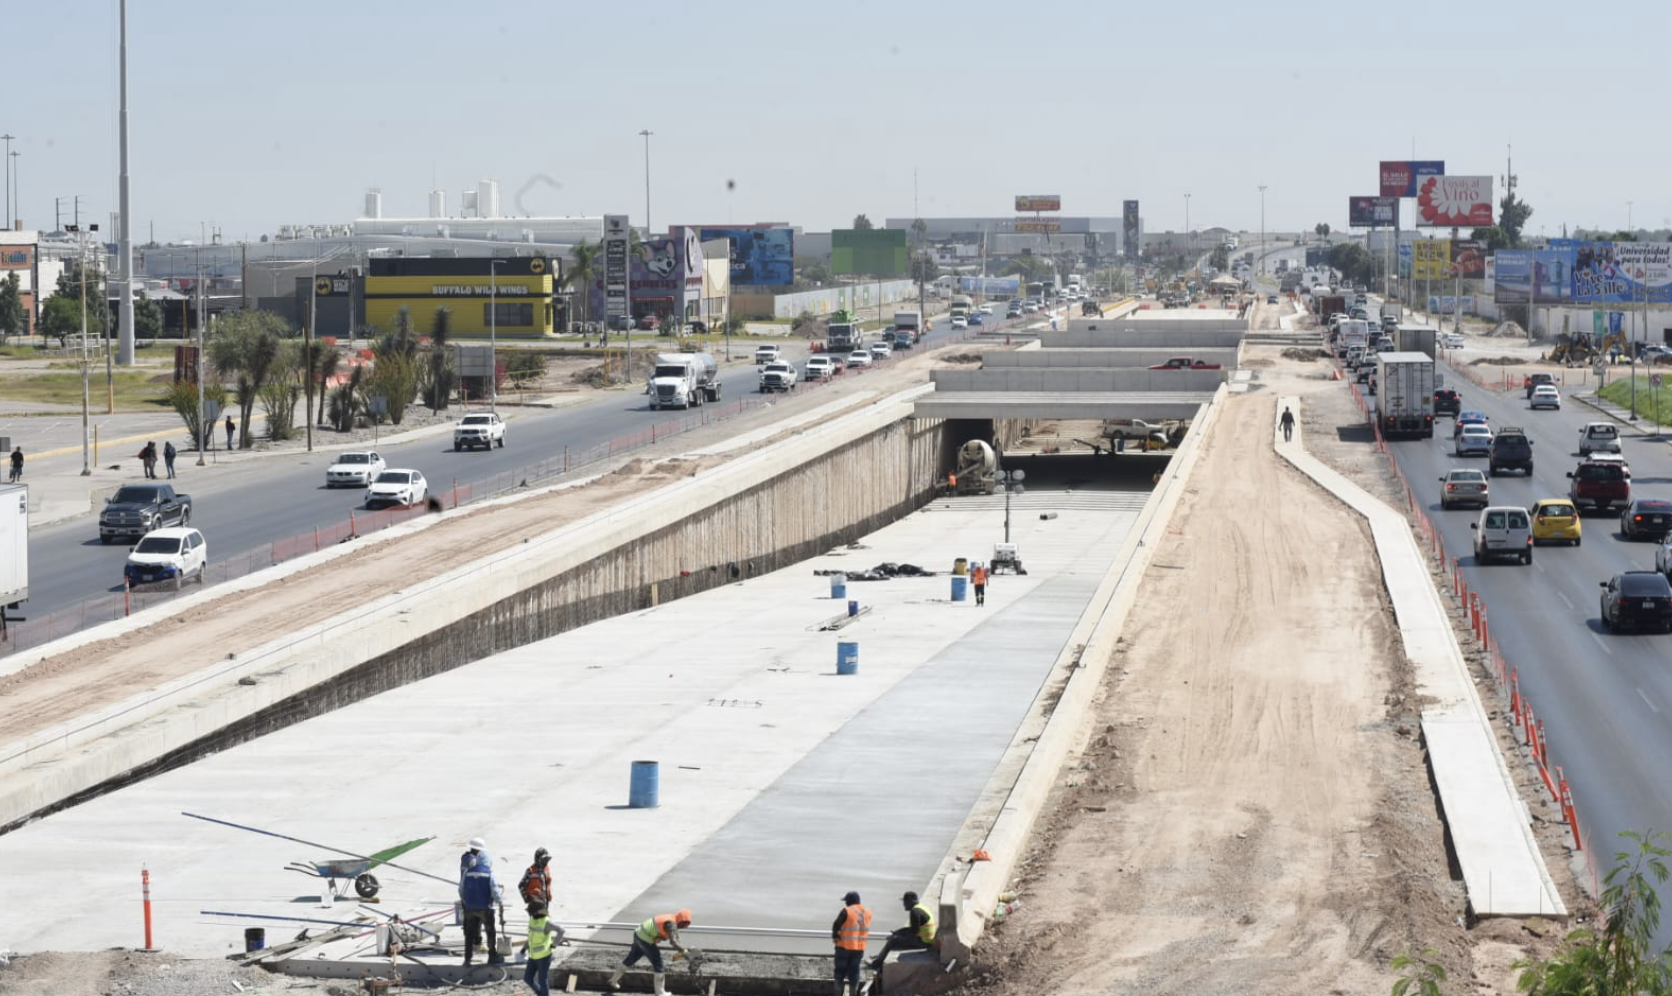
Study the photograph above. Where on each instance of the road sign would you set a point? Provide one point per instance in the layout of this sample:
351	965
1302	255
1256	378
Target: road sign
1655	380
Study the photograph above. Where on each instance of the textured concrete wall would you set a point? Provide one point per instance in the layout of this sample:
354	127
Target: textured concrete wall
1069	380
1119	356
1094	333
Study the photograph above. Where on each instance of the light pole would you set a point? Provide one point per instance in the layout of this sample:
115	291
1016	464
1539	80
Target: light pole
86	430
493	334
1628	216
646	135
8	140
1011	481
13	174
1262	229
204	426
1189	239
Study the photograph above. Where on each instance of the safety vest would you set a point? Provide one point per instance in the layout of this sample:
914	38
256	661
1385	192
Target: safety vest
655	929
926	933
539	939
856	929
978	576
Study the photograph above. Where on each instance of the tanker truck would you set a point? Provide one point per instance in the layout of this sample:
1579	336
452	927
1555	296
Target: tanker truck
977	469
684	380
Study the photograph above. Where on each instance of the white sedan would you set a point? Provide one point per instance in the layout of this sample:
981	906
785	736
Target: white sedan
357	469
397	487
1546	396
880	350
859	358
960	322
1474	439
985	309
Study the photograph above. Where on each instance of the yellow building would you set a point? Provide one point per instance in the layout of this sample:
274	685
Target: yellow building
516	292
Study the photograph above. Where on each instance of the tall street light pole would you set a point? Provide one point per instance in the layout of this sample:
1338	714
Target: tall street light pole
493	334
125	305
1262	229
646	135
86	430
1189	238
7	138
12	157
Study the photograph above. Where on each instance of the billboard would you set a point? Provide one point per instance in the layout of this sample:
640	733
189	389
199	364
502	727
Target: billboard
1468	259
1446	304
1039	202
868	252
1514	276
1622	272
1030	225
1401	177
1372	212
1454	202
761	255
615	270
1431	259
1131	239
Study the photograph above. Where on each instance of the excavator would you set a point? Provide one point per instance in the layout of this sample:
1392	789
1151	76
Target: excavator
1581	349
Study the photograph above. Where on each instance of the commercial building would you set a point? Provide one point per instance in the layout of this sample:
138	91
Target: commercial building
510	296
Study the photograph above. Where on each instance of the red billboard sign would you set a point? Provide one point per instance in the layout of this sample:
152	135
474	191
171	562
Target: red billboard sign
1038	202
1455	202
1401	177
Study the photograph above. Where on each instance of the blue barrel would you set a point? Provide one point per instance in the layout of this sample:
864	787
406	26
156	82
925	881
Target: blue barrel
255	938
838	586
847	657
960	588
853	607
642	793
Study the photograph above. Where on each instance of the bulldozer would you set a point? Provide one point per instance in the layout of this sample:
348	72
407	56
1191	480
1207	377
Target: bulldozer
1572	349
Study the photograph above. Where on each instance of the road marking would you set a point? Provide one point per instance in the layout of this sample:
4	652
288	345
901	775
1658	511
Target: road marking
1602	644
1646	700
1540	565
1563	596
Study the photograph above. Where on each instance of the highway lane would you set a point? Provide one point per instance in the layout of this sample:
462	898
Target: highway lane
1605	699
242	510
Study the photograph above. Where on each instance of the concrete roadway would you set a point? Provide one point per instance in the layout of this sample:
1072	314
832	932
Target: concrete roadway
243	511
1605	699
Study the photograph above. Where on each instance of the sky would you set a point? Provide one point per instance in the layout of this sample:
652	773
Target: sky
246	116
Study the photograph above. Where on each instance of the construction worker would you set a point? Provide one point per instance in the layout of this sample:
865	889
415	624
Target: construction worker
851	931
1288	424
536	884
978	578
917	935
479	893
662	927
543	936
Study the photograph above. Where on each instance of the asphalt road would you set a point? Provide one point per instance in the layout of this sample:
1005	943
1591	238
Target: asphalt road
1605	699
246	510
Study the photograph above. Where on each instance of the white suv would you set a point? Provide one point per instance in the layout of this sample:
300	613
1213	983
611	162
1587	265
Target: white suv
484	429
1599	436
172	554
1503	531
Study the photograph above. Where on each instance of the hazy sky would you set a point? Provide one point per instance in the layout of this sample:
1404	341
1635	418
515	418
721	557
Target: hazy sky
247	116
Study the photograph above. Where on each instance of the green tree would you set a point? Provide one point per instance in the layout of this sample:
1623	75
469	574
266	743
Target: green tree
525	367
1419	975
283	390
442	374
245	347
61	317
924	269
1615	958
1494	237
182	397
148	318
1322	229
862	223
11	306
65	320
1220	258
583	269
346	401
1513	213
811	271
397	372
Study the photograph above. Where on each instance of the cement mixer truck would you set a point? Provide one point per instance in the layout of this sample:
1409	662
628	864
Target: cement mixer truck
977	469
684	380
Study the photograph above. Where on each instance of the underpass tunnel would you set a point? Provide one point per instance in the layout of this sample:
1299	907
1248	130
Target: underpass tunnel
1063	454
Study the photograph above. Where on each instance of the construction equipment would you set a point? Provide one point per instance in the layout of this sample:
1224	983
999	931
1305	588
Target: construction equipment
1005	559
977	468
356	870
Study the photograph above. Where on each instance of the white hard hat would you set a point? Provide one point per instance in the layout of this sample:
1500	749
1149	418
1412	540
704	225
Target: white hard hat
478	844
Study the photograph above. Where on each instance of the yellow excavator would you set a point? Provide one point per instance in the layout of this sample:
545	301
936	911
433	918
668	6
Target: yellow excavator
1572	349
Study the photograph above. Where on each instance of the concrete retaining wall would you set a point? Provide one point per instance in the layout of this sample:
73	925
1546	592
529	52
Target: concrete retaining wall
821	488
1214	322
1001	380
1115	357
1094	333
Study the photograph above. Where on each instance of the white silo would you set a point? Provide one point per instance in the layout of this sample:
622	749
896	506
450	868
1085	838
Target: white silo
438	204
467	205
374	203
487	198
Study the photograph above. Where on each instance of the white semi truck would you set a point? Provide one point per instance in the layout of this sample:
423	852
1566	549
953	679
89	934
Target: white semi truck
1405	395
684	380
14	550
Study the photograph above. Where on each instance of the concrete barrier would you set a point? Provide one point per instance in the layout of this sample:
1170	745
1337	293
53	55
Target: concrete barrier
1101	334
967	902
1117	357
1000	381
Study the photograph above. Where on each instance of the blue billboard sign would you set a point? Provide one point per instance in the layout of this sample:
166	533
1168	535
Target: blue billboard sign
1622	272
1513	276
761	256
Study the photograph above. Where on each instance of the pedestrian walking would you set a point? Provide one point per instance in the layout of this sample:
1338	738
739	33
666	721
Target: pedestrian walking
543	936
850	932
536	884
231	427
148	457
479	894
662	927
978	578
169	453
17	465
1288	424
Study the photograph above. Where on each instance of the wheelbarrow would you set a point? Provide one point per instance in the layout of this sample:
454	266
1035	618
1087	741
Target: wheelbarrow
355	870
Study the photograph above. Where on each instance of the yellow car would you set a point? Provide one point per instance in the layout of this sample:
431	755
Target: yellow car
1555	520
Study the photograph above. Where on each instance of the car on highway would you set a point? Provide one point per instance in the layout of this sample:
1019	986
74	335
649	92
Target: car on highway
765	355
1271	298
881	350
1555	520
1646	518
1447	402
977	318
1450	340
1030	307
397	487
171	554
1639	599
1546	396
1464	487
778	376
1503	531
650	323
960	322
1598	436
818	368
837	363
859	358
1598	485
484	429
354	469
1015	310
1467	418
1511	450
985	309
1612	459
1473	440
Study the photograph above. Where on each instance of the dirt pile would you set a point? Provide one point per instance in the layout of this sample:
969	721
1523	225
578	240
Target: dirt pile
1507	330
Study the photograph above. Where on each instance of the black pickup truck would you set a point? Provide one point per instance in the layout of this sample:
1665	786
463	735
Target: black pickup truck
136	509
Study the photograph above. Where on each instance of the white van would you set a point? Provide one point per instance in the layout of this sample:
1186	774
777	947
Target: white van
1503	531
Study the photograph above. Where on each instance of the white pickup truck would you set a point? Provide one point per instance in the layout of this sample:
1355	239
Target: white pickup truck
778	376
765	355
484	429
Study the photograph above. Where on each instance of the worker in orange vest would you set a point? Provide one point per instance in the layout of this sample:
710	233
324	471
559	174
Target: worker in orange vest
650	934
978	578
851	931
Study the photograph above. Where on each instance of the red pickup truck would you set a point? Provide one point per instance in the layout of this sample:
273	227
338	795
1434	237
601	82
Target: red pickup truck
1185	363
1600	486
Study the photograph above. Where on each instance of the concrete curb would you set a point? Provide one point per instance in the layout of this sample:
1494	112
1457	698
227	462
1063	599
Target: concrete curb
967	903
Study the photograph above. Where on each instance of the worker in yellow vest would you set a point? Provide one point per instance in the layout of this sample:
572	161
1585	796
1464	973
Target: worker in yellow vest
650	934
917	935
543	936
851	932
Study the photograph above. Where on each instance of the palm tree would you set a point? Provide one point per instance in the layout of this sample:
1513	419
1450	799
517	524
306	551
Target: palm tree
583	268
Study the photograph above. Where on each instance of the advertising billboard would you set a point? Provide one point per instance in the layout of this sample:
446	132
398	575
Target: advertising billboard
868	252
761	255
1513	281
1622	272
1030	225
1446	304
1430	259
1401	177
1131	240
1454	202
1039	202
1372	212
1468	259
615	270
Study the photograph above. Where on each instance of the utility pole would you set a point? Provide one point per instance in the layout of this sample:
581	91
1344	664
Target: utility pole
646	135
1262	229
86	429
7	138
203	426
125	300
493	333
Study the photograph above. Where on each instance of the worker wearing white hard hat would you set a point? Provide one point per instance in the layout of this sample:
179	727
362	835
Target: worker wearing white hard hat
479	893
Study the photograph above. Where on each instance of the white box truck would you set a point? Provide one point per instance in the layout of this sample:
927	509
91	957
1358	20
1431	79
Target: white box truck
1405	395
14	544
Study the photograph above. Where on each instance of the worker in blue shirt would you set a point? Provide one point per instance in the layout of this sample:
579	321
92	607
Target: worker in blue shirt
479	894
